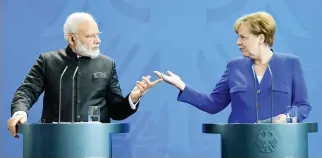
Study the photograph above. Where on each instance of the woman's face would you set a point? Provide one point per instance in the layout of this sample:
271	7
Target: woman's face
248	43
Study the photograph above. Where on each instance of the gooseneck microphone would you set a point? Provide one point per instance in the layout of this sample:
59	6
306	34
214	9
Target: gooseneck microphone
73	94
271	94
60	80
255	92
272	84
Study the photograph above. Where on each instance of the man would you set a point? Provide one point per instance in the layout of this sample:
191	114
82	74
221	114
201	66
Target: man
95	78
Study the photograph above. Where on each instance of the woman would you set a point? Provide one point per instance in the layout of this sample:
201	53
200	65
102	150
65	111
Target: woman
259	85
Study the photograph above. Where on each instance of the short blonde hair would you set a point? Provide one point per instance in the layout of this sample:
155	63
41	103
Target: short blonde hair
259	23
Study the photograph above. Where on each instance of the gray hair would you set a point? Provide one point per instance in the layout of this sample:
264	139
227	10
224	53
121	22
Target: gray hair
72	22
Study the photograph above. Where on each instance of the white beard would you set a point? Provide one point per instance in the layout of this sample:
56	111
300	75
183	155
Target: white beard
84	51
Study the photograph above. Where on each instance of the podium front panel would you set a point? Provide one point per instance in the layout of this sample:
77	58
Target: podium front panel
78	140
263	140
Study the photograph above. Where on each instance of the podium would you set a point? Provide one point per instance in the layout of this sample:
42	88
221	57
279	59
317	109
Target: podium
263	140
66	140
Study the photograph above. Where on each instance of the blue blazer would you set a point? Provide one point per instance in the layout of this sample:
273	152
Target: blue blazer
239	86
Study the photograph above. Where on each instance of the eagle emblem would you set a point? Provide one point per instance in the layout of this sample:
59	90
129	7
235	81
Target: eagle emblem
266	141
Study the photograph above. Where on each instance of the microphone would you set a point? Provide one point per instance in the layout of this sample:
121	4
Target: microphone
255	91
59	108
272	84
271	90
73	93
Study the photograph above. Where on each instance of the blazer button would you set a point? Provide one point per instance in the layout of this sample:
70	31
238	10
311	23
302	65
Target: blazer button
79	101
78	116
79	73
258	91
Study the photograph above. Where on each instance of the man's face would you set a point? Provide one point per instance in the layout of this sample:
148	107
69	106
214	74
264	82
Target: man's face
87	39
